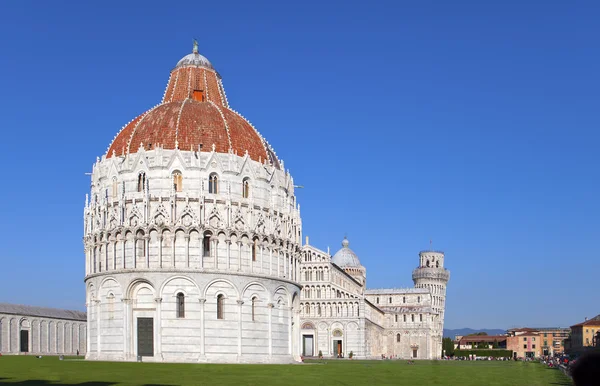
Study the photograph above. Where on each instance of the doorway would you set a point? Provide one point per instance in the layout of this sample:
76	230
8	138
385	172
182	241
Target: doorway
307	346
337	348
24	341
145	337
415	352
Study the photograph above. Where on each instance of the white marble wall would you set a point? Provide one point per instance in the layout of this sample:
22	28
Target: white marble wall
198	336
147	240
48	336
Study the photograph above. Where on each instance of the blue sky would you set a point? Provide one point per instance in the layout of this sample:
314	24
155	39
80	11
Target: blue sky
473	124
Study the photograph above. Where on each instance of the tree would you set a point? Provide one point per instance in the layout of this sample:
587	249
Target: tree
495	344
483	345
448	347
482	333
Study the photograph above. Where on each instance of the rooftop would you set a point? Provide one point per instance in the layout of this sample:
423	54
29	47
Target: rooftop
482	338
42	312
595	321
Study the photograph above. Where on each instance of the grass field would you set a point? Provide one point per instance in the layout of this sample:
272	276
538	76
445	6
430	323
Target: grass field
27	371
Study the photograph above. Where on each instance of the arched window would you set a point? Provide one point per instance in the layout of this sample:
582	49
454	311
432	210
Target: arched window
420	317
397	337
220	304
390	299
180	305
437	264
307	309
254	250
403	299
428	263
141	184
319	309
253	308
418	299
412	318
246	187
213	183
404	318
377	299
177	181
206	245
396	318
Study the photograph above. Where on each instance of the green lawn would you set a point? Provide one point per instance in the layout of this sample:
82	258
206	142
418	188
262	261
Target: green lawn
22	370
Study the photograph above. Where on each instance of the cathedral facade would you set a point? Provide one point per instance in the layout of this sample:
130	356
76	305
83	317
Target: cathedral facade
340	317
193	251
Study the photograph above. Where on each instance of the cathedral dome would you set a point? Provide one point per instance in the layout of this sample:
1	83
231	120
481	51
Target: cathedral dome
195	59
346	257
193	115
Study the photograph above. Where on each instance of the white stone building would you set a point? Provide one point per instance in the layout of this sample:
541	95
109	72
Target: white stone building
192	238
41	331
192	235
340	315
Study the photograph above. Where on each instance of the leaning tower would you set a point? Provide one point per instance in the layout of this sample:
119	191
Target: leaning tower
432	275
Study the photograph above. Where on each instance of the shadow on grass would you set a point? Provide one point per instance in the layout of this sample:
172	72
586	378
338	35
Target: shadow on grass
37	382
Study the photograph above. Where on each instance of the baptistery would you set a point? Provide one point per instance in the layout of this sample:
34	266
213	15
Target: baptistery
192	234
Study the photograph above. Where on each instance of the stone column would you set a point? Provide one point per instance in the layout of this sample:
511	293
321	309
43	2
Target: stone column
201	239
98	330
262	258
105	255
228	243
126	337
239	243
160	249
290	327
78	338
187	250
215	241
147	250
202	352
158	329
240	304
124	250
270	261
173	250
329	341
114	246
88	323
135	241
270	305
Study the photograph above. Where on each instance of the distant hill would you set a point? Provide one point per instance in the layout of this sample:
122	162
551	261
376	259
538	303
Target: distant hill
466	331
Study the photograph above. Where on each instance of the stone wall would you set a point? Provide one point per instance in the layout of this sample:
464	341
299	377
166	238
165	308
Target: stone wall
48	336
257	321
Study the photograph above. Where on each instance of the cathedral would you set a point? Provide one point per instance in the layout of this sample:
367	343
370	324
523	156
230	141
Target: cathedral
193	250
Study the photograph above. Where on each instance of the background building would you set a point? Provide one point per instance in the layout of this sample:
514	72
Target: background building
470	342
583	336
524	343
340	315
541	341
39	330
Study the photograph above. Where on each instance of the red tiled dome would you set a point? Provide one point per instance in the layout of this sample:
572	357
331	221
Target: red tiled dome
194	112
